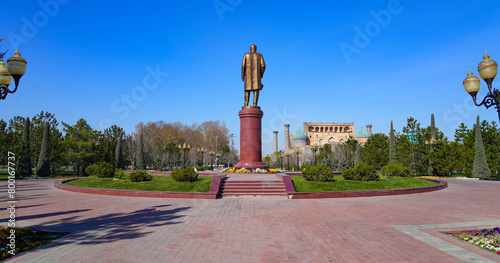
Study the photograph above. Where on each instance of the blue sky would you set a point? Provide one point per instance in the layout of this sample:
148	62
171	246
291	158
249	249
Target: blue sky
367	62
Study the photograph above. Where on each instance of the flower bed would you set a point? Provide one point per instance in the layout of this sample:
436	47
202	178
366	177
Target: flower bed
250	170
24	239
487	239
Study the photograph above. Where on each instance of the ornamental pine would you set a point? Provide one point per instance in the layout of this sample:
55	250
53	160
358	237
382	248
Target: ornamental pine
357	159
119	153
43	166
140	164
480	167
24	167
392	149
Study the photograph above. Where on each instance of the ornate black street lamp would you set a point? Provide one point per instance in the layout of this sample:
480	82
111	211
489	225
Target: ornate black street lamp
212	154
488	71
184	149
314	148
202	150
298	152
288	160
15	70
217	155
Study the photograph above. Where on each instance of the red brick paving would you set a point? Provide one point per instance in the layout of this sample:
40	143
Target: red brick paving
250	229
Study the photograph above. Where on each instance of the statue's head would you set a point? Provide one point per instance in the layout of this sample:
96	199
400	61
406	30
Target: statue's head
253	48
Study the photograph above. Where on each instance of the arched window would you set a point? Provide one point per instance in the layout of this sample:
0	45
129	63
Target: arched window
317	129
346	129
331	129
321	129
336	129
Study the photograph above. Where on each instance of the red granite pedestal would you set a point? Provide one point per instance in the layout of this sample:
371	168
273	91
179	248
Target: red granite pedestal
251	139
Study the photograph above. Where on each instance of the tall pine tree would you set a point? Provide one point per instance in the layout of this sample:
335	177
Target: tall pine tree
24	169
119	153
357	159
43	166
432	143
140	164
392	149
480	168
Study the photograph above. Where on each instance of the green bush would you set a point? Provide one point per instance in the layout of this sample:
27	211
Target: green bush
360	172
119	173
102	170
140	176
395	170
185	175
320	173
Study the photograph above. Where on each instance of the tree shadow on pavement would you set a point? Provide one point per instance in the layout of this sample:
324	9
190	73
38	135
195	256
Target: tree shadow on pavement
113	227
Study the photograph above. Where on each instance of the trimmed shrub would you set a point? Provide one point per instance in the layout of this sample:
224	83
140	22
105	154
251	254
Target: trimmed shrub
119	173
320	173
140	176
395	170
102	170
360	172
184	175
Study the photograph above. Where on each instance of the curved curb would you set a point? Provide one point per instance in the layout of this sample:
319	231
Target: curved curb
59	184
310	195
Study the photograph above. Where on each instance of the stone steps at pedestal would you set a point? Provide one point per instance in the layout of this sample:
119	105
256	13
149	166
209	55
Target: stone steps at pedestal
252	188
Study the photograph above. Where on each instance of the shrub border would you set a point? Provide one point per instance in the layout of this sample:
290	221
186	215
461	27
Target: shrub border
212	194
313	195
214	188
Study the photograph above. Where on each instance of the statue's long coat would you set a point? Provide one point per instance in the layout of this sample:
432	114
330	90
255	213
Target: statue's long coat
252	70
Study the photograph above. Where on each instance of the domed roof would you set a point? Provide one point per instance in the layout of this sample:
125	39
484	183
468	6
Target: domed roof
361	134
300	135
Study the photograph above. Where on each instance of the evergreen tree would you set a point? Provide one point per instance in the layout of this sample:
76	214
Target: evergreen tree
139	162
43	166
119	153
357	159
432	143
106	153
461	133
392	148
24	169
375	151
480	167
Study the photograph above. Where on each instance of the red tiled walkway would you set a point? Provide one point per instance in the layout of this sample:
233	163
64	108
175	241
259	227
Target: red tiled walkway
257	229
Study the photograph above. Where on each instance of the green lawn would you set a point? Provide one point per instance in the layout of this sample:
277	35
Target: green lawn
159	183
4	174
301	185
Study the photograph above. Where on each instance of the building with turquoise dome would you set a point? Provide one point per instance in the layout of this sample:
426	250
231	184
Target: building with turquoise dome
299	139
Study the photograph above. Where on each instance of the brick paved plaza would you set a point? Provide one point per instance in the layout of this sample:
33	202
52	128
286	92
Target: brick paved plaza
404	228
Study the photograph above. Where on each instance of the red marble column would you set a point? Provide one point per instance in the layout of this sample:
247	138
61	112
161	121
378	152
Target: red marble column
251	139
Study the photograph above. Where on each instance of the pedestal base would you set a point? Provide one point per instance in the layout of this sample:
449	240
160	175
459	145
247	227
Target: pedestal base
250	139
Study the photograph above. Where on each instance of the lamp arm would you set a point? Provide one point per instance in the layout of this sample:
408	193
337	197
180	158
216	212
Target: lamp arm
4	90
491	99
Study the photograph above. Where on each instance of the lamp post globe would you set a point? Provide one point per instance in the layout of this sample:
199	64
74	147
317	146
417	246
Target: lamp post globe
14	69
488	69
472	84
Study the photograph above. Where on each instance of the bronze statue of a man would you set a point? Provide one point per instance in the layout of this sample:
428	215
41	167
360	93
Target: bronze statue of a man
252	71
